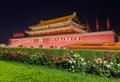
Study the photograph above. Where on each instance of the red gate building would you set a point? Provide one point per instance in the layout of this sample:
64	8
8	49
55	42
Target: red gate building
59	32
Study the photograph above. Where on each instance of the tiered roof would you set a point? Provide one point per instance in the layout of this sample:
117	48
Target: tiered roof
67	24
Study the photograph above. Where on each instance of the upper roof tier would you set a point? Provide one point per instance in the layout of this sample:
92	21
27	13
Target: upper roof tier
72	17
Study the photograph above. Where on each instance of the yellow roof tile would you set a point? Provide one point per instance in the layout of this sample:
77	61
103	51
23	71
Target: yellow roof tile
56	20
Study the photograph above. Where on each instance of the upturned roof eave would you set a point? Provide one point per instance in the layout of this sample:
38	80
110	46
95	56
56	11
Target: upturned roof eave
56	20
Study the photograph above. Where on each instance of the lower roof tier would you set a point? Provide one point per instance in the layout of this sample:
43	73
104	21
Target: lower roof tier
53	33
62	30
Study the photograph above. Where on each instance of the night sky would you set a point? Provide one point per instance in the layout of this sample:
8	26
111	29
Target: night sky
16	16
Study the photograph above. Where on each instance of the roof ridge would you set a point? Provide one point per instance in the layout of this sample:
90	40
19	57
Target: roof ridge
74	14
56	20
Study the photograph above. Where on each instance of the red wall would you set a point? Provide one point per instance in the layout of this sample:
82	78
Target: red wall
62	40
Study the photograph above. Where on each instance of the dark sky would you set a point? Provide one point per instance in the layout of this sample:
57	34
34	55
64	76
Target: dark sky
16	16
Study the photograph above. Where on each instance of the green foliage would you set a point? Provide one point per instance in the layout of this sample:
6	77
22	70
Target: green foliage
84	53
18	72
99	62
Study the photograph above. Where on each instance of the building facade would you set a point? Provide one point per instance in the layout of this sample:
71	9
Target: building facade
59	32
